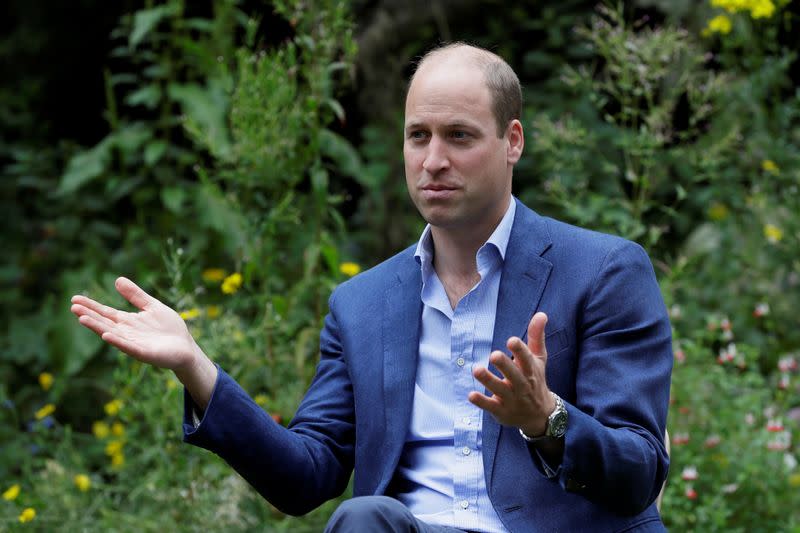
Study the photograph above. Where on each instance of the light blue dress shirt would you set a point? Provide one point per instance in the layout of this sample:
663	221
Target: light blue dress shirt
440	476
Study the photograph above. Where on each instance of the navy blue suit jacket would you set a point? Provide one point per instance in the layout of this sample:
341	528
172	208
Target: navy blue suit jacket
610	359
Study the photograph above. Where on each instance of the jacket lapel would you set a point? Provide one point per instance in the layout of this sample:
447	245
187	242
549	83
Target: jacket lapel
525	275
401	329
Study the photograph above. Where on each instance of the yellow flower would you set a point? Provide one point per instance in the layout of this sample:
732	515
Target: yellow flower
718	211
112	408
731	6
47	410
261	399
794	480
213	311
349	269
117	460
232	283
768	165
114	447
117	429
719	24
213	275
773	233
100	429
190	314
46	380
761	9
83	482
27	515
11	493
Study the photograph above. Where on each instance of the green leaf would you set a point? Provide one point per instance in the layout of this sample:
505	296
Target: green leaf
130	138
84	167
343	154
154	151
338	110
148	96
206	110
145	20
173	198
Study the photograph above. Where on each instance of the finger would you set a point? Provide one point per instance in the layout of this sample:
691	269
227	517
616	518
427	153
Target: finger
507	367
126	345
523	358
536	336
93	324
80	311
103	310
493	405
131	292
490	381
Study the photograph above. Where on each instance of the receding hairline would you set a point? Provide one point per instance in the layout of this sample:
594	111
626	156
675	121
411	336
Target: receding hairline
498	76
458	53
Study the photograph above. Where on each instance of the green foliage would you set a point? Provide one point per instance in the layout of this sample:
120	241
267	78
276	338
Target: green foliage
214	159
694	158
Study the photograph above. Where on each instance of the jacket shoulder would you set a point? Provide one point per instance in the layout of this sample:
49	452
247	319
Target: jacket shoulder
374	282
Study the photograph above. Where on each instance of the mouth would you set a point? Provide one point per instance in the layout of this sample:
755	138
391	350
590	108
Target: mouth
438	191
438	187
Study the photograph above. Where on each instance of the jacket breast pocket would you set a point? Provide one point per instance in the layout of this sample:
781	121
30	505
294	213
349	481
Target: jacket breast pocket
557	343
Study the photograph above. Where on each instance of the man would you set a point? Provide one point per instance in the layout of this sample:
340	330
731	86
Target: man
436	380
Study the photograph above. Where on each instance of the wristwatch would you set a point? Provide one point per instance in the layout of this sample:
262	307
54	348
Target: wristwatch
556	422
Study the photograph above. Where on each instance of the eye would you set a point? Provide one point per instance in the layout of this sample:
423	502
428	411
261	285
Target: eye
417	135
459	135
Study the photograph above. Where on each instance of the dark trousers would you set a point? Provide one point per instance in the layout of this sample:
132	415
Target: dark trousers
367	514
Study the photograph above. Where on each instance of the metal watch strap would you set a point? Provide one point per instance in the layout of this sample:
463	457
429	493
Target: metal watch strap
547	432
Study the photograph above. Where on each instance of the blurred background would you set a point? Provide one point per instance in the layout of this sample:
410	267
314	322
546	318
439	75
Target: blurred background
239	159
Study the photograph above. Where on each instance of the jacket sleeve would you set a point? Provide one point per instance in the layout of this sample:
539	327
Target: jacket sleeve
295	468
614	451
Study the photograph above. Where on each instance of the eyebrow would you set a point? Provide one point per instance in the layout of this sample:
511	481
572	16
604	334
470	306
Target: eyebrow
449	125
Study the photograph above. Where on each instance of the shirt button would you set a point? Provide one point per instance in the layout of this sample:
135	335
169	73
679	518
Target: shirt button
466	451
460	361
464	504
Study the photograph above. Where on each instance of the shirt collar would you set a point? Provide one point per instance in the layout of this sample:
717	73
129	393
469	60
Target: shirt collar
498	239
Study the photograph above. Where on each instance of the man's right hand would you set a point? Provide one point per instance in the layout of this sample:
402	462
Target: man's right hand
156	335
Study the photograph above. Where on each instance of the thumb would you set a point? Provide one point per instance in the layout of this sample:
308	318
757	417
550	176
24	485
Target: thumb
536	335
131	292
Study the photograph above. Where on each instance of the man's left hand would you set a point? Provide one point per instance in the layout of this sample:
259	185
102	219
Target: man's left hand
521	399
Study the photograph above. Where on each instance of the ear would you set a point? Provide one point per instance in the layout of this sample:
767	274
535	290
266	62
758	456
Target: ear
516	141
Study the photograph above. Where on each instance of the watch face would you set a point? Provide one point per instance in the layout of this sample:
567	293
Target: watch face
558	424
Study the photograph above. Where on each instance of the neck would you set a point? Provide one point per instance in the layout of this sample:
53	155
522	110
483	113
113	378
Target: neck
456	248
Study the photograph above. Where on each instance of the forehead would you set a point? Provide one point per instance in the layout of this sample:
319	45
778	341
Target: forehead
452	90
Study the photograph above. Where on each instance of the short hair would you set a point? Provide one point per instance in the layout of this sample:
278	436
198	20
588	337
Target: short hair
501	80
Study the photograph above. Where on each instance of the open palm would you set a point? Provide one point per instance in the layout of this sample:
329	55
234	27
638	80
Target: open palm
155	335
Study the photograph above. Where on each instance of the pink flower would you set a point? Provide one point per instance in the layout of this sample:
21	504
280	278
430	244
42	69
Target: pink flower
689	473
680	356
749	419
691	493
783	383
775	425
729	488
712	441
787	364
680	438
777	445
761	309
725	324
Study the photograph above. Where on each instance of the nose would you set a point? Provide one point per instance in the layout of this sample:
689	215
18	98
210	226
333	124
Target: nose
436	158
